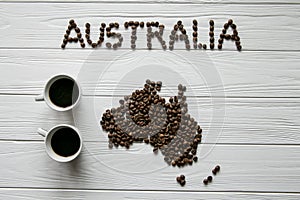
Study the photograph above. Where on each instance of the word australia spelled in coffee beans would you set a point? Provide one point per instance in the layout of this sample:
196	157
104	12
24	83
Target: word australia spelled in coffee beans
145	116
154	30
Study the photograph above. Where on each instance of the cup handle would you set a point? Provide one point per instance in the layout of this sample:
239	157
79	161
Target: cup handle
40	98
42	132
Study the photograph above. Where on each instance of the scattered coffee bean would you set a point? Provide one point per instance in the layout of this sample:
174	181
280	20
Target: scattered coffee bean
217	168
209	178
182	177
205	181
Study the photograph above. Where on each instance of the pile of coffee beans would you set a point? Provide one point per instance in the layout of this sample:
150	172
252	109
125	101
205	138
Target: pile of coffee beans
181	180
145	116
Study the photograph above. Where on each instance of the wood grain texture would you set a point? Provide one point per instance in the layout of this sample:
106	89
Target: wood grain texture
117	73
45	27
34	194
162	1
244	168
246	121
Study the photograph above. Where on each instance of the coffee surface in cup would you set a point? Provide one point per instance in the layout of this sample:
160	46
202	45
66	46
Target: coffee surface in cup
65	142
63	92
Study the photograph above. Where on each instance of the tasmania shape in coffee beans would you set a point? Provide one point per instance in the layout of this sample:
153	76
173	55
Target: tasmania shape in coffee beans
164	124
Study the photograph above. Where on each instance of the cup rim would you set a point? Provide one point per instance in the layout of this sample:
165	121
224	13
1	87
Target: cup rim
50	150
47	88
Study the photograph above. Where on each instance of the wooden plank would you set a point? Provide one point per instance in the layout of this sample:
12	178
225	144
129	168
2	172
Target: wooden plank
247	121
36	194
243	168
43	25
117	73
162	1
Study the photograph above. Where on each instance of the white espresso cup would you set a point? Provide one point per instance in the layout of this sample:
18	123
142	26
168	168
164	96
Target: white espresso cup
61	93
63	142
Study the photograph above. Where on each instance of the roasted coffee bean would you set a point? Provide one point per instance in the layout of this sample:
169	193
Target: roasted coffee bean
63	46
77	30
182	182
195	22
233	26
224	31
237	43
235	32
183	31
200	46
230	21
175	27
148	24
111	25
130	23
212	45
94	45
182	177
212	40
71	21
195	159
217	168
211	34
226	26
209	178
195	28
68	31
195	34
82	45
220	41
227	36
205	181
219	46
126	25
142	24
222	35
211	28
179	22
204	46
87	25
214	171
239	47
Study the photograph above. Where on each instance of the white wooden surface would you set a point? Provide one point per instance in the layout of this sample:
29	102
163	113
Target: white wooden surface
256	140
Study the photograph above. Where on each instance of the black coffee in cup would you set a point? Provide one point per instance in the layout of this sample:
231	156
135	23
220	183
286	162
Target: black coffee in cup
64	92
65	142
